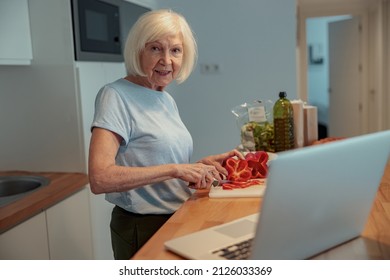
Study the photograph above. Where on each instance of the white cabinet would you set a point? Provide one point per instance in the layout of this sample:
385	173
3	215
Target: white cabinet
69	228
62	232
15	35
91	77
26	241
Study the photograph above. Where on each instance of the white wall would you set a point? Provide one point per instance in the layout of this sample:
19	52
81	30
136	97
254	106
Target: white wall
253	42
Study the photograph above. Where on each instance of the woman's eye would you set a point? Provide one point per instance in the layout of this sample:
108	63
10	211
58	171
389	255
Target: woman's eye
177	51
155	48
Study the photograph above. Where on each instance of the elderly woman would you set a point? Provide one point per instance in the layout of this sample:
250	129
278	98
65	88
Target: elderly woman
140	149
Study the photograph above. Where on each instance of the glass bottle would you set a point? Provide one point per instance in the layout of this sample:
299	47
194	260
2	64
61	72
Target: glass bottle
283	123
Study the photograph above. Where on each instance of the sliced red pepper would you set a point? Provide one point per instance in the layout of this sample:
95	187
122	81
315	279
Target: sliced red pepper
259	169
228	186
241	185
253	166
259	156
238	170
251	156
258	162
262	156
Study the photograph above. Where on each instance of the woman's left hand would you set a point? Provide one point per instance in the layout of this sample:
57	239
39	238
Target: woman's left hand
217	160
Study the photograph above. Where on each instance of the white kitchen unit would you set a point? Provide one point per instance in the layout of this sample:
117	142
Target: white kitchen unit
26	241
62	232
15	36
91	77
69	228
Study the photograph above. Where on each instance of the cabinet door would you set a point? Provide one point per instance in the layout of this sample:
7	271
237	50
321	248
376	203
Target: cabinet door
26	241
69	228
15	36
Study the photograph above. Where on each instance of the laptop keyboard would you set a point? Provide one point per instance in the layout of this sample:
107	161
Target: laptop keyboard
238	251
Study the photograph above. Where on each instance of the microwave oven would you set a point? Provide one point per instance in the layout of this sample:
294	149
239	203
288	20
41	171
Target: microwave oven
96	31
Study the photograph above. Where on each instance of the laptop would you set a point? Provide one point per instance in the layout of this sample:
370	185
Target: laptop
316	197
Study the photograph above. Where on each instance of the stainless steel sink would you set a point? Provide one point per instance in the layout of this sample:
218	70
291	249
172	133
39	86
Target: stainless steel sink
14	187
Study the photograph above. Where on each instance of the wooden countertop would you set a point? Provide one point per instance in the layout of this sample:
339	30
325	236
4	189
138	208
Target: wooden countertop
61	186
201	212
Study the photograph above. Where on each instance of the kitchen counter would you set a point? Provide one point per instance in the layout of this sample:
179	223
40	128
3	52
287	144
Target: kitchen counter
61	186
201	212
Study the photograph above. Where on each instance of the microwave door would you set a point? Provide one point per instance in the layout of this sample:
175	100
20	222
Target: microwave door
97	31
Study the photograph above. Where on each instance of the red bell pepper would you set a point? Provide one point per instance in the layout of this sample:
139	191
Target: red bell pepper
258	162
254	166
238	185
238	170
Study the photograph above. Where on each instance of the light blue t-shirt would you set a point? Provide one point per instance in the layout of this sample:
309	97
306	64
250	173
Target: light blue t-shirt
153	134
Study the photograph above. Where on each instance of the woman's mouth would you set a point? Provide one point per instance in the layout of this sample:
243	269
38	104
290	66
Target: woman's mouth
163	72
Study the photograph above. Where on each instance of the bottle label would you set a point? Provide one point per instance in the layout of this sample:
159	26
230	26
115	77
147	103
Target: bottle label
257	114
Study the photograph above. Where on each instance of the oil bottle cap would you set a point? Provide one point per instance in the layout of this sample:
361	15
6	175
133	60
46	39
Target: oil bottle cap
282	94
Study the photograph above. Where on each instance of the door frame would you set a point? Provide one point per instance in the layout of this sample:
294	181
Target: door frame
323	8
386	75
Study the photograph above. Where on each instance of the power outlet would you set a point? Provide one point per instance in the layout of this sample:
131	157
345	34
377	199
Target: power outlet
209	69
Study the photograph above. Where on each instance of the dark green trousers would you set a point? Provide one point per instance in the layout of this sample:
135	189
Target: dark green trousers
129	231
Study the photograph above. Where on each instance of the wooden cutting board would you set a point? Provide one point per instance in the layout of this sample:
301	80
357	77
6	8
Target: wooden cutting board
252	191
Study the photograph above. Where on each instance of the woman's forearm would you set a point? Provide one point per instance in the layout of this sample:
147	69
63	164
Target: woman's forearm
120	178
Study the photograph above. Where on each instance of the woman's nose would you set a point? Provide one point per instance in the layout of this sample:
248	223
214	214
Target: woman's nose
165	58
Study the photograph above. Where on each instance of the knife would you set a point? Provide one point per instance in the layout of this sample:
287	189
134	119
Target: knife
214	183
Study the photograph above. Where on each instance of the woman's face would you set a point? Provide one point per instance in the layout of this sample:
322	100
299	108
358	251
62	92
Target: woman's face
161	61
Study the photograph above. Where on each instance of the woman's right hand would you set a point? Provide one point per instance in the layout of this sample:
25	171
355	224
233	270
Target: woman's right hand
198	175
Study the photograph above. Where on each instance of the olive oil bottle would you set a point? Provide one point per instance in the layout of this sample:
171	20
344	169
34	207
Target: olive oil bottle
283	123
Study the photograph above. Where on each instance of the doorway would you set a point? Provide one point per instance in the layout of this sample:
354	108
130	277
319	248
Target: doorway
309	56
333	75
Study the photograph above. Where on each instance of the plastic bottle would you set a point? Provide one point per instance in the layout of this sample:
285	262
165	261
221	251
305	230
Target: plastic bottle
283	123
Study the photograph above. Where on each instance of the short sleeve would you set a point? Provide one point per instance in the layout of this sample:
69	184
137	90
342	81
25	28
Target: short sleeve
111	113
